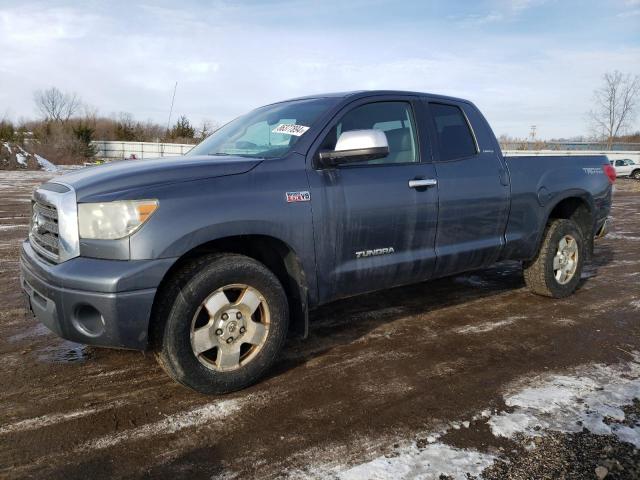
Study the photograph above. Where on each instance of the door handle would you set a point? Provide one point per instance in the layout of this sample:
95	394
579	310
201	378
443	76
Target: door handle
418	183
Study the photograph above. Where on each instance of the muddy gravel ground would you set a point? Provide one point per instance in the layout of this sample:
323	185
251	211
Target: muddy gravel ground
470	376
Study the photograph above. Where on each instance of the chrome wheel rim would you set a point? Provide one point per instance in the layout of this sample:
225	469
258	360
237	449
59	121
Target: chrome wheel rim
230	327
565	262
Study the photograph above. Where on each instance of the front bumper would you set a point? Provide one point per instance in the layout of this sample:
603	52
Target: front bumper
97	302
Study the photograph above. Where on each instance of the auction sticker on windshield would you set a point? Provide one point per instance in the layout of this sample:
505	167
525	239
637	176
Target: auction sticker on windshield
290	129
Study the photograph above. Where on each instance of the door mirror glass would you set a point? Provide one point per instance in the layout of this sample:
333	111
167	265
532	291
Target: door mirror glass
356	146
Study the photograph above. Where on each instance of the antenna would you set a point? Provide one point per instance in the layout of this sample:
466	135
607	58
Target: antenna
171	109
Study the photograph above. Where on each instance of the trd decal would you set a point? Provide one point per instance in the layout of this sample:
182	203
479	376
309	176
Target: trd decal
304	196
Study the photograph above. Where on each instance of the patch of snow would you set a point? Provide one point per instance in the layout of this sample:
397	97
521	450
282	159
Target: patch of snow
46	164
22	159
567	403
590	396
429	463
46	420
6	144
620	236
170	424
635	304
487	326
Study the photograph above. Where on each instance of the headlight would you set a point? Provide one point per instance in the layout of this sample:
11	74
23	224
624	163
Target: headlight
113	220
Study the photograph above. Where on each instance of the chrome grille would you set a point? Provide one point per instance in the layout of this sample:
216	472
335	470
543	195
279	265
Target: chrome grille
44	231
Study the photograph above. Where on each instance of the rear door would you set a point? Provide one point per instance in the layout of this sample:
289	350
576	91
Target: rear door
473	189
372	229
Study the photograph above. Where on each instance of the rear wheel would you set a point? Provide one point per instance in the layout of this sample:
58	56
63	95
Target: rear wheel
225	321
556	269
635	174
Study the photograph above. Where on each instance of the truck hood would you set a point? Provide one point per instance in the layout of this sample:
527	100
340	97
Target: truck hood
126	175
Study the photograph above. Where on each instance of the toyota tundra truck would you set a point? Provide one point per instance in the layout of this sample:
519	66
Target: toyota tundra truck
212	259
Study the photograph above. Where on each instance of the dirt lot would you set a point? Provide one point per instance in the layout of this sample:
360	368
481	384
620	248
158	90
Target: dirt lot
450	377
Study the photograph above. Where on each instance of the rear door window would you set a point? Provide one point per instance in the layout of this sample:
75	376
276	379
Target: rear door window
454	134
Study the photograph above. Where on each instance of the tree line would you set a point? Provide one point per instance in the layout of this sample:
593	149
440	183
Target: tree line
67	126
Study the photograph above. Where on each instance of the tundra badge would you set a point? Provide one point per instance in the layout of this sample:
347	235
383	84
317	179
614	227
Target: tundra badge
375	251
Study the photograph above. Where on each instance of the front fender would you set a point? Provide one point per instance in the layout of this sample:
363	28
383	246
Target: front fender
192	214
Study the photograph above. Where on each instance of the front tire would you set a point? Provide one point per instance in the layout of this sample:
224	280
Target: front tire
555	271
224	320
635	174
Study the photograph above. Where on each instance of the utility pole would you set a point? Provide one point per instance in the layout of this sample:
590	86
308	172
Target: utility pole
532	134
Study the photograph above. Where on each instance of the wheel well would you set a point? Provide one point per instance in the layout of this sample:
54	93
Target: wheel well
276	255
578	210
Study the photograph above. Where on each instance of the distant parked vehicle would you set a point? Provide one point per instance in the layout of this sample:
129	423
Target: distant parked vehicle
626	168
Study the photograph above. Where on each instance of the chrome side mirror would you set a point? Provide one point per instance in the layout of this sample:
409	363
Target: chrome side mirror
356	146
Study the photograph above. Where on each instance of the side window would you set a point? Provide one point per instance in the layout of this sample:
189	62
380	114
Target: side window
393	118
454	135
619	163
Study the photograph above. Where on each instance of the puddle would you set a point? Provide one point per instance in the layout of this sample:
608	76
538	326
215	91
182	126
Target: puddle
37	330
66	352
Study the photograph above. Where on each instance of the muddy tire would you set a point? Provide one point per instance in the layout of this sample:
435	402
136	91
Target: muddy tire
635	174
556	269
222	323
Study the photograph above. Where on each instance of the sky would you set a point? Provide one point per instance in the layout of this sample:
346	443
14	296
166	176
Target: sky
522	62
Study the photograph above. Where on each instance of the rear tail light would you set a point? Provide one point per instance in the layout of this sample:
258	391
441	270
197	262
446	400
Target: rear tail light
610	172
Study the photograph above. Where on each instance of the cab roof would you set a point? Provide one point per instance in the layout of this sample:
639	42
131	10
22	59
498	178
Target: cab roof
371	93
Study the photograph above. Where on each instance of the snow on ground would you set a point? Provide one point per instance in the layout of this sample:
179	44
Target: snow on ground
488	326
422	463
22	157
590	396
205	414
46	420
46	164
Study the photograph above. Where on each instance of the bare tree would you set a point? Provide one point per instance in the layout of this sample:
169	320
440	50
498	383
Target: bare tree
57	106
615	105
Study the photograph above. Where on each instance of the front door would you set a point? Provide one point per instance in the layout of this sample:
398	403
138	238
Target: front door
374	230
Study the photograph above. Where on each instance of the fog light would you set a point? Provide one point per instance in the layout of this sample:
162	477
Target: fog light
88	320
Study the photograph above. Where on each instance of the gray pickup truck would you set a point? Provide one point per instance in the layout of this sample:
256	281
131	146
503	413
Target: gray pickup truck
213	258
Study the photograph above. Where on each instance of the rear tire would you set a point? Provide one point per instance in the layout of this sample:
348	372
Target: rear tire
635	174
555	271
223	321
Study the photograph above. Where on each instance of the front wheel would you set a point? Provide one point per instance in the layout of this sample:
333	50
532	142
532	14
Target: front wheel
556	269
225	321
636	174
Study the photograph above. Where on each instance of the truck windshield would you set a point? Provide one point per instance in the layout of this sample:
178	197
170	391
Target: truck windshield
266	132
